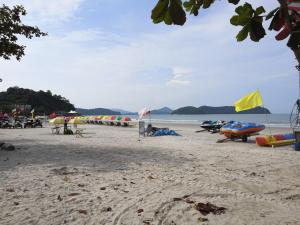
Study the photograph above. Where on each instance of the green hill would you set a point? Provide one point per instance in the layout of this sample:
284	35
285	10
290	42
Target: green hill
40	101
188	110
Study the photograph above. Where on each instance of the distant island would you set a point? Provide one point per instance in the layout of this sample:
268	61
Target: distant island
164	110
96	111
161	111
124	112
190	110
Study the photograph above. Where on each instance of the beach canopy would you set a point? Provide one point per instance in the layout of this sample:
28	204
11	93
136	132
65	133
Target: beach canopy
249	101
105	118
125	119
98	117
52	115
57	120
118	118
72	112
76	121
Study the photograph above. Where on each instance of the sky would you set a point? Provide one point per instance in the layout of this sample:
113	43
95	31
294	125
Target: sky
108	53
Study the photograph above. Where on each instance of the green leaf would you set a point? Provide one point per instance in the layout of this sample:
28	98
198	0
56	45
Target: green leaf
235	20
193	6
239	20
235	2
272	13
239	10
207	3
257	31
260	10
245	10
243	34
195	11
275	21
167	18
189	5
159	11
176	12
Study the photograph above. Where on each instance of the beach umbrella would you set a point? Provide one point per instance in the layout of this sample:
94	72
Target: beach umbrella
98	117
118	118
52	115
105	118
76	121
126	118
72	112
85	118
57	120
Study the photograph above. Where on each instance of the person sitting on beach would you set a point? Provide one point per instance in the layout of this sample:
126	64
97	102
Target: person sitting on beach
150	130
66	129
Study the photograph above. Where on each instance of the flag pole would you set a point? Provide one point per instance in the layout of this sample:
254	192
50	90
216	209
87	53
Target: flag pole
150	116
267	118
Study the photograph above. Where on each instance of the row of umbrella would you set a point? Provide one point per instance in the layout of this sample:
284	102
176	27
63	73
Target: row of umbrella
89	119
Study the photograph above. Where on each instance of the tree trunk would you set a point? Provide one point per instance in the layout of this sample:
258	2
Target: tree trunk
297	54
295	49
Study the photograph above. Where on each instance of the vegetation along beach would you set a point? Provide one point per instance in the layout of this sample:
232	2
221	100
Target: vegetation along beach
164	112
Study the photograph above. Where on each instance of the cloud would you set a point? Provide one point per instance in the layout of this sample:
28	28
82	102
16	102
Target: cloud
177	82
178	74
48	11
199	63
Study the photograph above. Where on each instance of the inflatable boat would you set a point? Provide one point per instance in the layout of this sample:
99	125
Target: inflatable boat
275	140
236	130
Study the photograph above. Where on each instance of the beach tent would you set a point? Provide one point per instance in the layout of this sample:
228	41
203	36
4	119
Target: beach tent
118	118
126	119
76	121
105	118
57	120
52	115
72	112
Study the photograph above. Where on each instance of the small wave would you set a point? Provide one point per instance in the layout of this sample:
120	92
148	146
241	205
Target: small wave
278	125
274	125
173	121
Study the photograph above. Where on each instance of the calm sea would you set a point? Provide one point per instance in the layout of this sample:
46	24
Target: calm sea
274	120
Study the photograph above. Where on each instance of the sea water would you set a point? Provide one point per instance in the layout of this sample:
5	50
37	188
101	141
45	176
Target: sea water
272	120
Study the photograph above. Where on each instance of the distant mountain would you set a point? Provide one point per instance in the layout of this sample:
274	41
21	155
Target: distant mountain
164	110
97	111
124	112
218	110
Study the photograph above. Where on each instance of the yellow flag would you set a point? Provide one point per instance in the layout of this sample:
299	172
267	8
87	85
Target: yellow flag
250	101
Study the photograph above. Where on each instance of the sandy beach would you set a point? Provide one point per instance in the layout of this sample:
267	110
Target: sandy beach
110	177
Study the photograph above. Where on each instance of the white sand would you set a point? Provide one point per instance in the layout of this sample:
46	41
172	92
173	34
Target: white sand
107	176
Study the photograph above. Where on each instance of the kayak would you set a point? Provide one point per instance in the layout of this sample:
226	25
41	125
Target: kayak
242	130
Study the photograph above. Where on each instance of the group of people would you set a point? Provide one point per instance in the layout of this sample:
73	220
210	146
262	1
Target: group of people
155	131
18	121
